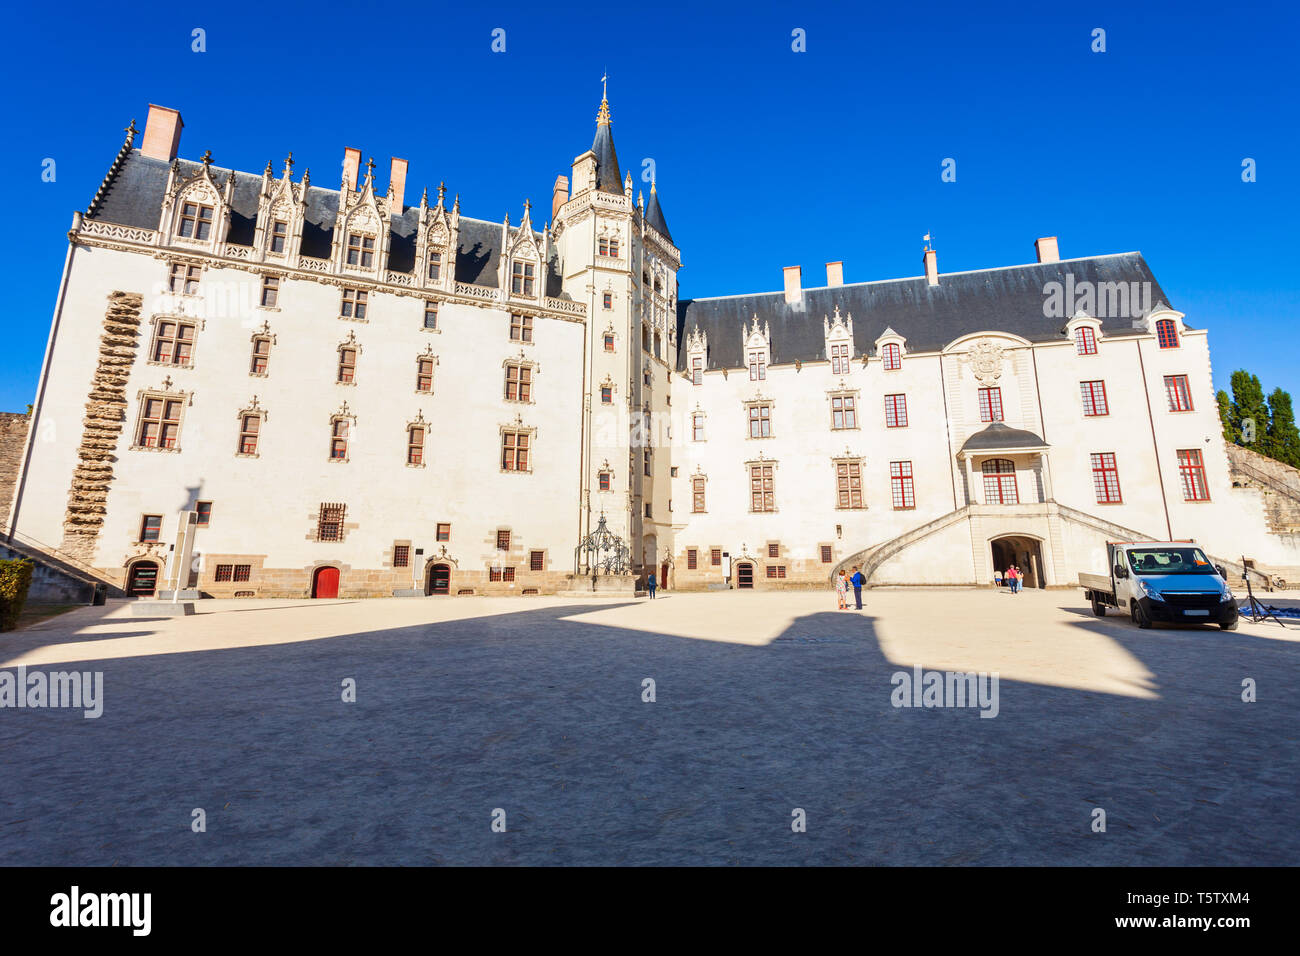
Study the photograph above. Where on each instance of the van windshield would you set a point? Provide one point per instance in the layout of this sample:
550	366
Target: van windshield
1169	561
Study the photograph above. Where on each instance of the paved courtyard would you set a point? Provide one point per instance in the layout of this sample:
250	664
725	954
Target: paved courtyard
764	703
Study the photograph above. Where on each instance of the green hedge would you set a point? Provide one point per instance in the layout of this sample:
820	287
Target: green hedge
15	579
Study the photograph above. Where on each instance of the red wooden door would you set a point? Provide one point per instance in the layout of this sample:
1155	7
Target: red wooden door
325	583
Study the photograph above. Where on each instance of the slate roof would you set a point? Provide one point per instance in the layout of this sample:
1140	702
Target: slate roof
135	194
928	317
654	215
1001	437
608	177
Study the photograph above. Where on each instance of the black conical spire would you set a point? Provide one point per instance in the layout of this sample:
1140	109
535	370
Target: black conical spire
654	214
608	177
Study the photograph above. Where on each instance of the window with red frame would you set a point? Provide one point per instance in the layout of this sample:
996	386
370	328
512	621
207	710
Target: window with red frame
892	357
990	404
1191	468
1167	334
261	356
1105	477
1094	398
415	445
173	343
160	423
603	481
839	360
519	383
697	495
1000	482
1085	340
339	439
757	366
347	365
424	374
895	411
249	427
514	451
900	485
1178	393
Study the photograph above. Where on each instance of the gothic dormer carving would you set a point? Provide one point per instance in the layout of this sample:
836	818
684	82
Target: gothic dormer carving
756	342
281	210
436	241
521	260
196	208
838	332
361	230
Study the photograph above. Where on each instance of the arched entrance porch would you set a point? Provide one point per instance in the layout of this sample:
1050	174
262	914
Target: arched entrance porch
1025	552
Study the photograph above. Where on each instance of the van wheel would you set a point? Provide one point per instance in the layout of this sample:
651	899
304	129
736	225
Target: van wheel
1232	626
1140	617
1098	608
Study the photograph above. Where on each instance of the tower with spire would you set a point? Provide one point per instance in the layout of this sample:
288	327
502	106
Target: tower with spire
620	260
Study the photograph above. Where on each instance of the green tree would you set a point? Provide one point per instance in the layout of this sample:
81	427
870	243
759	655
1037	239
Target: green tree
1283	439
1230	432
1249	411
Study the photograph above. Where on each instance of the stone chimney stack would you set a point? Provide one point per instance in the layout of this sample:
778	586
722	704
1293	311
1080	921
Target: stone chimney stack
834	273
1047	250
351	166
162	133
931	267
559	196
793	285
397	184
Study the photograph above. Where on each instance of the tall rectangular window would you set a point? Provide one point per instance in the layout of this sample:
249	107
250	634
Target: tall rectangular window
430	315
892	357
715	557
760	421
697	371
900	485
203	512
514	451
1167	334
347	365
607	394
697	426
827	555
757	366
329	526
848	484
503	540
1179	393
1085	340
415	445
692	559
843	412
990	404
603	480
895	411
697	495
839	360
401	555
1094	398
160	423
521	278
521	328
270	291
761	492
1105	478
609	342
261	358
249	427
173	342
150	526
519	383
424	373
339	439
435	265
536	560
354	303
279	235
1191	468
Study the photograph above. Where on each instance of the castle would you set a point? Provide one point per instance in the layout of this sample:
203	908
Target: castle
363	397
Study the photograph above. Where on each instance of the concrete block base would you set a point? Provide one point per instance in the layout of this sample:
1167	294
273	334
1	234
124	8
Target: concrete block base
161	609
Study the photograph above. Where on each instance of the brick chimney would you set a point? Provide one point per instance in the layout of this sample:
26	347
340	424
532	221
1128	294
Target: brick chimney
351	165
559	196
1046	249
835	273
162	133
931	260
793	286
397	184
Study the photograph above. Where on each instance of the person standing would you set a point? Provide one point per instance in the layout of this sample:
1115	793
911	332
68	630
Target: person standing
651	584
857	580
1013	579
842	589
997	578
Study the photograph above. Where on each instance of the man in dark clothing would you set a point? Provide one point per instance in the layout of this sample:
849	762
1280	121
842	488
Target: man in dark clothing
650	582
857	580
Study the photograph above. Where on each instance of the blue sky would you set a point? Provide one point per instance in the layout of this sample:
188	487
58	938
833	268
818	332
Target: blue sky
765	157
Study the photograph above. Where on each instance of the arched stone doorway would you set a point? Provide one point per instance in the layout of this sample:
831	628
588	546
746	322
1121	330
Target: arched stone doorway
325	582
437	580
142	579
744	574
1025	552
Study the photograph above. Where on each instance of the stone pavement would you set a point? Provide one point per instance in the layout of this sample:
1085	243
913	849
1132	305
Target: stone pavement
765	702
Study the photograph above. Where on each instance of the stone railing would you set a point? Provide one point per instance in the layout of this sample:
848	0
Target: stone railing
565	305
313	265
238	252
476	291
399	278
108	230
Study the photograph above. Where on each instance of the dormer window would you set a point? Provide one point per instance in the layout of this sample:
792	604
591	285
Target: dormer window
435	265
522	278
1085	340
757	366
697	371
1167	334
196	221
839	360
279	235
361	250
891	356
